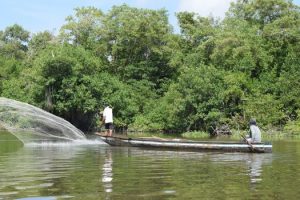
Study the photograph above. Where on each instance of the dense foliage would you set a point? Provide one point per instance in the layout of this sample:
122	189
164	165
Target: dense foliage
212	72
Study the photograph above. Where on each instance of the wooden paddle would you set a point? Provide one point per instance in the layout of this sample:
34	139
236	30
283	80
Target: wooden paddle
249	143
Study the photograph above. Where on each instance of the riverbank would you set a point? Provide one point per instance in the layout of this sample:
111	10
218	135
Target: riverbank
236	135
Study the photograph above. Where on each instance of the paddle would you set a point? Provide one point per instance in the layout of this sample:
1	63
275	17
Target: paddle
248	142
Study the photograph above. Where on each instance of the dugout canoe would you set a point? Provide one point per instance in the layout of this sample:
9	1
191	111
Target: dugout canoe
181	144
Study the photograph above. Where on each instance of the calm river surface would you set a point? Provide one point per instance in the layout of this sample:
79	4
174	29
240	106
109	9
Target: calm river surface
97	171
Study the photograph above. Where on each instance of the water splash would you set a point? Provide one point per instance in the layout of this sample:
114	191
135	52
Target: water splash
31	124
47	144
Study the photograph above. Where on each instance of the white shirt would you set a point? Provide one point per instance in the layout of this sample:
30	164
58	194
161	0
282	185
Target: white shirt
255	133
108	115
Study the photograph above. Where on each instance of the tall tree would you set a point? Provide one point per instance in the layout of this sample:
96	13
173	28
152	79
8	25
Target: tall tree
277	22
14	41
197	36
39	42
85	29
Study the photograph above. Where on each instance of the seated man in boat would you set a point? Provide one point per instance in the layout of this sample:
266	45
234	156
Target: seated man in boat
108	120
255	134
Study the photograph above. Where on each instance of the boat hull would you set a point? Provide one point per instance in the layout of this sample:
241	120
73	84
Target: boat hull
178	144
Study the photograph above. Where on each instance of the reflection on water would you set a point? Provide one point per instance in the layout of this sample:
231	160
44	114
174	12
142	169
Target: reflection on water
107	176
29	167
255	164
98	171
154	165
32	169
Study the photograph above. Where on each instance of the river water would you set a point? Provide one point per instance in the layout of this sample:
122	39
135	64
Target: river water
96	171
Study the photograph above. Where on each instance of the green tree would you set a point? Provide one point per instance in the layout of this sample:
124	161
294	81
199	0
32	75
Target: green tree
192	103
240	48
197	35
287	86
39	42
62	72
85	28
277	22
21	87
136	44
13	42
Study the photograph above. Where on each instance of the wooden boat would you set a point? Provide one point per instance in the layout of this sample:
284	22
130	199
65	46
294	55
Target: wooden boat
180	144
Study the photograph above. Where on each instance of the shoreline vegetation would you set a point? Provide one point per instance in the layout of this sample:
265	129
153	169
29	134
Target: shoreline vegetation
213	72
236	135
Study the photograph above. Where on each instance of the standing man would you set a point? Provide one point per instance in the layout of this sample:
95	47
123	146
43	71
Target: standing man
108	120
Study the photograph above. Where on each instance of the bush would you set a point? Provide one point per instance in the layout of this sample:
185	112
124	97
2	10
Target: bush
196	134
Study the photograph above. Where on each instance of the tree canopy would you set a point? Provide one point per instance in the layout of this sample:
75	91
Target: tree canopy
214	71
